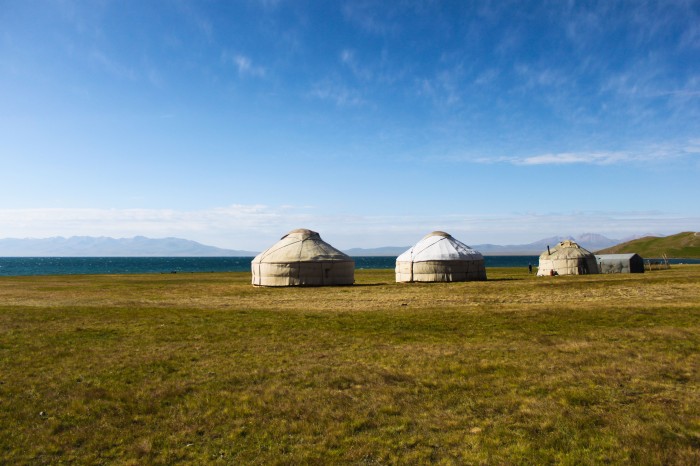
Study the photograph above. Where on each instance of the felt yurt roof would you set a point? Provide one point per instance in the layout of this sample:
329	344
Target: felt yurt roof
301	245
567	249
439	246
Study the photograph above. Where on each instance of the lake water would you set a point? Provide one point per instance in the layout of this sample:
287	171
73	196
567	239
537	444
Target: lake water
16	266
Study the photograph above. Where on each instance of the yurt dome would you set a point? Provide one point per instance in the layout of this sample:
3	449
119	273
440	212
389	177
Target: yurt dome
300	258
567	258
439	257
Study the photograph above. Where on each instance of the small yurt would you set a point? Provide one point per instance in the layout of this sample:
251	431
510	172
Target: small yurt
567	258
438	257
301	258
620	263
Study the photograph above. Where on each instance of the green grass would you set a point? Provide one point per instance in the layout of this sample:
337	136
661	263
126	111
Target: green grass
684	245
206	368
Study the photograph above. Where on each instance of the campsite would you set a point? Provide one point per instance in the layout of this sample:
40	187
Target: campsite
349	232
206	368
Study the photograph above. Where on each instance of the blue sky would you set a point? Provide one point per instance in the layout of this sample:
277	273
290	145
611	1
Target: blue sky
231	123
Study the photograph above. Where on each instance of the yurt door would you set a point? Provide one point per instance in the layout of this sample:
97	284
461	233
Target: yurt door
326	274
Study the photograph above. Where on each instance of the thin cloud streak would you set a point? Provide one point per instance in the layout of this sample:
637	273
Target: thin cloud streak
337	93
243	64
112	67
656	153
595	158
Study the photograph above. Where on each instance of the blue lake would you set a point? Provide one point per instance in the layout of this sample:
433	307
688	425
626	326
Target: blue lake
16	266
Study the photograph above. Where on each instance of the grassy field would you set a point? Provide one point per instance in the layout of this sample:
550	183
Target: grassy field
205	368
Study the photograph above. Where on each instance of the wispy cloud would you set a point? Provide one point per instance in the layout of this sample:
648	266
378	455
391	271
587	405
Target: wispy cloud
691	37
349	59
445	87
254	227
112	66
269	4
338	93
374	69
532	76
566	158
194	15
369	17
653	153
243	64
487	77
651	85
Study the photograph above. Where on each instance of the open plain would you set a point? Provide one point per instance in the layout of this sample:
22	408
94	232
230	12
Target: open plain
205	368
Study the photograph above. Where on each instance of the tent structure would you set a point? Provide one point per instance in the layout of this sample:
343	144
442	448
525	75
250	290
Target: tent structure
438	257
620	263
567	258
301	258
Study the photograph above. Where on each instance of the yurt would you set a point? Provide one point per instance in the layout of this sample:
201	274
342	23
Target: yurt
620	263
438	257
301	258
567	258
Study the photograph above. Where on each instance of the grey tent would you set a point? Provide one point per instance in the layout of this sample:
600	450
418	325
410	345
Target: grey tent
620	263
567	258
300	258
438	257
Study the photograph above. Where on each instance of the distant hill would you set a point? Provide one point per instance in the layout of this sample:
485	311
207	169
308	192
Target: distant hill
684	245
528	249
590	241
88	246
140	246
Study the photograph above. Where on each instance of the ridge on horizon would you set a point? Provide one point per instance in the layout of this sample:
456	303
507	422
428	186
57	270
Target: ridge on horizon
137	246
591	241
105	246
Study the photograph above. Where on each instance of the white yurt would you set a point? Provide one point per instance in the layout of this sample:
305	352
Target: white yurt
300	258
438	257
567	258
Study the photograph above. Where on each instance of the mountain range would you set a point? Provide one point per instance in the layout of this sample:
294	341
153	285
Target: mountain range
590	241
140	246
90	246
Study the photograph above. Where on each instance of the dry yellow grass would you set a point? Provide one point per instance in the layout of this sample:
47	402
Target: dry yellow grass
206	368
